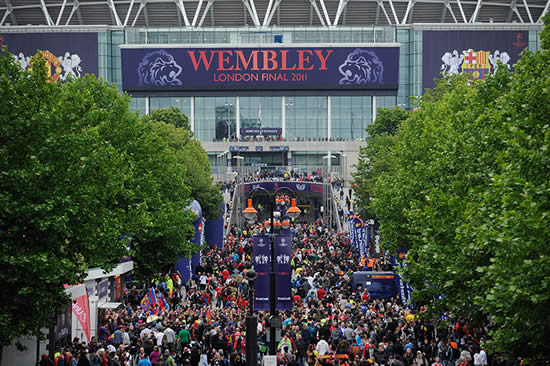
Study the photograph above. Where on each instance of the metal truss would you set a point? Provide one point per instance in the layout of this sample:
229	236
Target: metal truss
125	13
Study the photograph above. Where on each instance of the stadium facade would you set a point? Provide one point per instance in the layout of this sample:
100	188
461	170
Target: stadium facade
303	78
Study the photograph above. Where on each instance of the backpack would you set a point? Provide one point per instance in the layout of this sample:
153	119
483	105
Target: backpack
335	334
165	362
355	349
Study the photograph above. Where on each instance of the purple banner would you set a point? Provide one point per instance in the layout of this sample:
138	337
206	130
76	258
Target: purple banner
295	186
262	266
312	69
263	131
283	251
472	52
102	289
66	53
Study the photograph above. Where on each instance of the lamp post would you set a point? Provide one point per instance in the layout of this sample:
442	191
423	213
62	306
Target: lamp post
228	120
250	214
251	321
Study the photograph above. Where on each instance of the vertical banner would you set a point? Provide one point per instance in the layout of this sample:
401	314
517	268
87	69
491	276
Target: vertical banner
118	288
262	266
213	230
81	308
283	270
403	287
183	266
102	289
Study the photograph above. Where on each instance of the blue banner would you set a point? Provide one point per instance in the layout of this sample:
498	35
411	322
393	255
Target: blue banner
213	230
473	52
403	287
262	266
308	69
67	54
283	270
358	233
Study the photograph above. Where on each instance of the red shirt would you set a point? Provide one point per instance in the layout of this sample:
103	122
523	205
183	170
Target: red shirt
321	293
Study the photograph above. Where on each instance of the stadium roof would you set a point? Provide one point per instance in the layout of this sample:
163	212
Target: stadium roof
258	13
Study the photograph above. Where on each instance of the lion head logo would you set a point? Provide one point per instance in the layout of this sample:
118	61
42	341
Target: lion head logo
361	67
159	68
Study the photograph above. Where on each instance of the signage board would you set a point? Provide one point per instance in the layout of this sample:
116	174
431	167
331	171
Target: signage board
267	131
293	70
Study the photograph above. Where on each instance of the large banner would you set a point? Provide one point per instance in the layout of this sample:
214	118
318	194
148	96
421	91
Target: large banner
262	266
308	69
283	252
472	52
295	186
66	53
81	308
358	234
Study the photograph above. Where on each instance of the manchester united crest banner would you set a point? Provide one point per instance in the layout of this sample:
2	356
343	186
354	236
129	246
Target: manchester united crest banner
67	54
475	53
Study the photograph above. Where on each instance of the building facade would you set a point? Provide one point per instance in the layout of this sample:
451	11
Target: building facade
245	131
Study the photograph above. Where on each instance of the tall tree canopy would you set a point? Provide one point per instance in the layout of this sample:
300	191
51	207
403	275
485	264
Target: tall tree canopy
469	197
78	171
377	156
190	153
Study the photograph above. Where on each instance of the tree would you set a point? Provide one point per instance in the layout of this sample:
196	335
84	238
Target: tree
170	115
387	121
469	198
191	155
59	181
376	157
78	171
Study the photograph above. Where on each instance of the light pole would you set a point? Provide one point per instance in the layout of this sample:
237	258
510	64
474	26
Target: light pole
239	165
250	214
228	120
251	321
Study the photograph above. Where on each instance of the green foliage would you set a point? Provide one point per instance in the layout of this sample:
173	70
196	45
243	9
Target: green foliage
387	121
377	156
469	197
170	115
77	171
192	156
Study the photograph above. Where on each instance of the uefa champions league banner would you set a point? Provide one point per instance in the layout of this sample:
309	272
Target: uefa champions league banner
283	270
218	69
262	266
475	53
66	54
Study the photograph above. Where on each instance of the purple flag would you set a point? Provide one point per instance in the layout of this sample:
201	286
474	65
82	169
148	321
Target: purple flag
262	266
283	251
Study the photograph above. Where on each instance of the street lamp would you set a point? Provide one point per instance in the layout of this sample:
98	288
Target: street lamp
250	214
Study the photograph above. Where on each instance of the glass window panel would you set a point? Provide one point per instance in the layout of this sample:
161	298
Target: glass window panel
215	118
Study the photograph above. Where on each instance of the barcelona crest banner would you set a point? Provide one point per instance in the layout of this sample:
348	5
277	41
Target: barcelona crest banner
474	53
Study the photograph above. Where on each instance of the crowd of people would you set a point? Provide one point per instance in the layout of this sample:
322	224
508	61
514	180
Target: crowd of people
331	323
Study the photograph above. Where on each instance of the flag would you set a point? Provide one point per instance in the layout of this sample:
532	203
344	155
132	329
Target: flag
163	305
260	113
150	300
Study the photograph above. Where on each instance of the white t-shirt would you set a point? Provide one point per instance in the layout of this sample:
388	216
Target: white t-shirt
159	337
